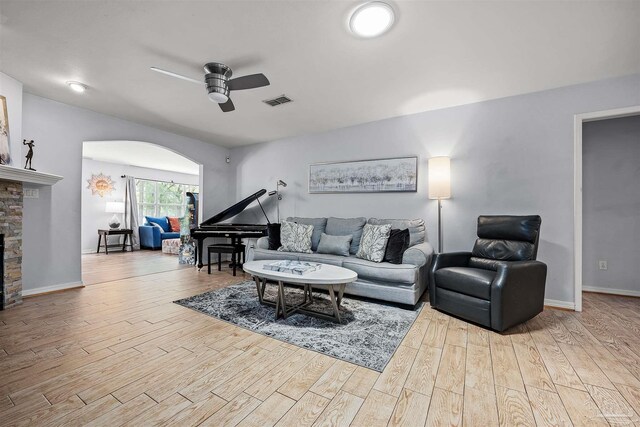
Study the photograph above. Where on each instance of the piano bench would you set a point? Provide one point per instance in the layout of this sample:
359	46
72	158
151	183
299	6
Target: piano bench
236	252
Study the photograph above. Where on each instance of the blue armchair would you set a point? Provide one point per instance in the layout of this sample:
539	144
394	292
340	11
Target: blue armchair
151	236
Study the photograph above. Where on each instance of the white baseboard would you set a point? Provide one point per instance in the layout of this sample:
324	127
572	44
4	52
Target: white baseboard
624	292
559	304
47	289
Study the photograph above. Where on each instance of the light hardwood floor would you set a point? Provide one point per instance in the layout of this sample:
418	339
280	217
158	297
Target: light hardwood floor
100	268
121	353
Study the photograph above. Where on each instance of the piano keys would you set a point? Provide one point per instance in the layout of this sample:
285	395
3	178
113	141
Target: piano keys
215	227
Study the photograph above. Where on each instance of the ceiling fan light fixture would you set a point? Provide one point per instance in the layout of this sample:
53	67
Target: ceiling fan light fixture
218	82
77	86
218	98
371	19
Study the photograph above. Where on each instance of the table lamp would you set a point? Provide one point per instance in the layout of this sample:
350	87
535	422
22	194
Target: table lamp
440	187
115	208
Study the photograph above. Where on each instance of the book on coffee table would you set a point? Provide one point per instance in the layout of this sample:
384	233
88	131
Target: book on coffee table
293	267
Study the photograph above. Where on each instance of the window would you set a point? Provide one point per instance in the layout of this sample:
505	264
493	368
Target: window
160	198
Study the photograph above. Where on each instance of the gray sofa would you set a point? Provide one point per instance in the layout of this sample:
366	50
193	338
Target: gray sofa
399	283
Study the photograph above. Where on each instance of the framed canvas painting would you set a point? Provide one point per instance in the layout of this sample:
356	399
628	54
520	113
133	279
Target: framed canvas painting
365	176
5	153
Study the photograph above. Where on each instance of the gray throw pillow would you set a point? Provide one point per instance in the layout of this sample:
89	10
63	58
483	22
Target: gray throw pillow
295	237
374	242
334	245
346	227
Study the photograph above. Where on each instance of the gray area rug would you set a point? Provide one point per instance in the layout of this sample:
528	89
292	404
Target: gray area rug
368	336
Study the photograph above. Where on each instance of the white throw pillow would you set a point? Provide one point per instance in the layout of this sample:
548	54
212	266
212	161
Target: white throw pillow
374	242
295	237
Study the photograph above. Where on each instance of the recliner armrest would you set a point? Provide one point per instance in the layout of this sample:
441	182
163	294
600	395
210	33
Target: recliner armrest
444	260
517	293
418	255
451	259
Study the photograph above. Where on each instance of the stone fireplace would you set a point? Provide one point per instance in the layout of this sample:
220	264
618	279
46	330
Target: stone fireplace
11	206
11	230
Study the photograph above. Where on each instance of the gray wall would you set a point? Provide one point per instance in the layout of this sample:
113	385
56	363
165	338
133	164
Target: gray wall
52	236
611	204
93	214
509	156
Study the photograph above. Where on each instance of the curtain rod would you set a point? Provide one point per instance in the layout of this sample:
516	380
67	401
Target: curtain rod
155	180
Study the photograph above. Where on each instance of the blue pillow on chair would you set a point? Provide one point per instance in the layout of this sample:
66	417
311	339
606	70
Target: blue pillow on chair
163	222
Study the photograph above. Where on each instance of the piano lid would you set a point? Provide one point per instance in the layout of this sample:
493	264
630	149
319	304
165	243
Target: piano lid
236	209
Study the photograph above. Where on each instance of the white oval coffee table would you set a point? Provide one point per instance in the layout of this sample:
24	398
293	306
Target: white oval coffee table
329	277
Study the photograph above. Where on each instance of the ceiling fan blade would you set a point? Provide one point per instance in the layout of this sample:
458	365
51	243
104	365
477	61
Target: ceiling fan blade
180	76
227	106
248	82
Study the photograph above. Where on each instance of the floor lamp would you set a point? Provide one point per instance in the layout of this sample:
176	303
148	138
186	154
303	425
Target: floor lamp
439	187
276	192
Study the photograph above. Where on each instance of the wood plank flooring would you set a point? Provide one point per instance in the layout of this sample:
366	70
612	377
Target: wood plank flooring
100	268
121	353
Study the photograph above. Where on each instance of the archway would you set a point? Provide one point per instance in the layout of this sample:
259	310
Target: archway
157	179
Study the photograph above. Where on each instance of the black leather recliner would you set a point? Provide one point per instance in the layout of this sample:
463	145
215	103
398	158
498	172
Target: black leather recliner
499	283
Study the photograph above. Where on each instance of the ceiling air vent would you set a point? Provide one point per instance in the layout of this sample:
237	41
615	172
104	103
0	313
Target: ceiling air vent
282	99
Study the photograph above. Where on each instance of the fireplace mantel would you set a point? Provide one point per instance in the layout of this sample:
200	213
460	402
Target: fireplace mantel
10	173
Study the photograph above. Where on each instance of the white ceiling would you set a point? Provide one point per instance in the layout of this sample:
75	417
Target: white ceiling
438	54
140	154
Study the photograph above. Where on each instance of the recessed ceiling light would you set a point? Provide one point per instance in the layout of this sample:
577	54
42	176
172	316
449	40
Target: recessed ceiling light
77	86
371	19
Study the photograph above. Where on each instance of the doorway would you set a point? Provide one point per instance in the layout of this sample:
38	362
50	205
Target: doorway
595	206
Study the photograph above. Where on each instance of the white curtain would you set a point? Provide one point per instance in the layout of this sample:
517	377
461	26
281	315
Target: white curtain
131	210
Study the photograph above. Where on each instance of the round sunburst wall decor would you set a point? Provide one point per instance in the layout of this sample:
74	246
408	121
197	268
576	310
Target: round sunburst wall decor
100	184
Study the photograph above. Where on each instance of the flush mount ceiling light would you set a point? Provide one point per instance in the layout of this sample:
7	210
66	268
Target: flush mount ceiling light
77	86
371	19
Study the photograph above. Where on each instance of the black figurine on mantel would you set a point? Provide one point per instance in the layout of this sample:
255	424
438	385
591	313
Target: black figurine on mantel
29	155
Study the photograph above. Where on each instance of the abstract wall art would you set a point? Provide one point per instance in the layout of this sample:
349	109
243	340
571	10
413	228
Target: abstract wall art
365	176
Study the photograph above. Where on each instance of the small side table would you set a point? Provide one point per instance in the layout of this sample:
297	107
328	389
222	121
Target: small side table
126	232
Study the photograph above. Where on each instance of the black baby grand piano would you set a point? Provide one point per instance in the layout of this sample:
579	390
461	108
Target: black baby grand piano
214	227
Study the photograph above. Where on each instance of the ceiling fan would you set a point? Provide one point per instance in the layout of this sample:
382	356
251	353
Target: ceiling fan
219	83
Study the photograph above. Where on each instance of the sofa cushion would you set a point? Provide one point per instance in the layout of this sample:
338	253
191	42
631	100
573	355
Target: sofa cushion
374	242
273	231
319	225
474	282
398	243
162	221
347	226
260	254
323	258
417	230
334	245
382	271
295	237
